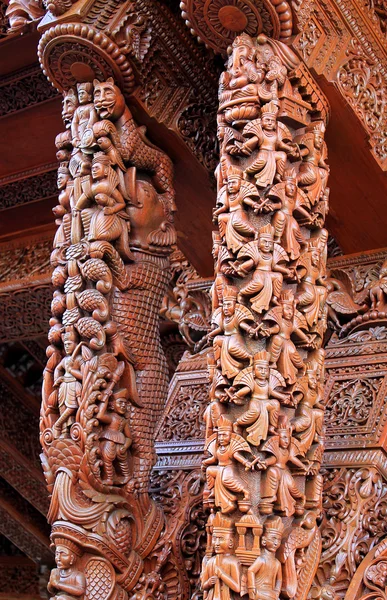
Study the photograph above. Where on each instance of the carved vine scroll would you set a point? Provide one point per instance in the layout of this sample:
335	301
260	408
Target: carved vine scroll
106	377
264	423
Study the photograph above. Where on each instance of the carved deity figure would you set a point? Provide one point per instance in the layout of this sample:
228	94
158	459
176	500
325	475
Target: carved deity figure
62	211
279	491
66	581
264	257
217	396
229	345
222	573
234	225
115	437
84	117
313	172
272	139
308	419
288	322
225	449
264	576
262	414
105	219
67	379
69	106
287	200
222	269
311	294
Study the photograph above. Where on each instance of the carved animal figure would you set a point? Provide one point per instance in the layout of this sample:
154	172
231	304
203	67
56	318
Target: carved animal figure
117	123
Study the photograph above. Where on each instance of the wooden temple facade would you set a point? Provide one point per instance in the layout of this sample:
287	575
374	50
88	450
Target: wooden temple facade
193	299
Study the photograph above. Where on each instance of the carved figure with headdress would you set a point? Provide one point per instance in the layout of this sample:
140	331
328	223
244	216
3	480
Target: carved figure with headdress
272	140
313	172
225	450
262	383
66	581
312	293
222	573
62	211
265	257
279	490
234	225
264	576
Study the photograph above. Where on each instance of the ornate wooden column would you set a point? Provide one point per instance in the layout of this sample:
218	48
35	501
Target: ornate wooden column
106	378
264	424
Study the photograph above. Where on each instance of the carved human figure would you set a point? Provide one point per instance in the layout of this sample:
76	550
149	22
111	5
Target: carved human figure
262	414
66	581
229	344
62	211
378	290
222	573
222	269
279	491
313	172
105	218
115	438
224	483
264	576
265	258
69	106
288	321
308	419
287	200
67	380
311	292
84	118
217	397
234	225
272	139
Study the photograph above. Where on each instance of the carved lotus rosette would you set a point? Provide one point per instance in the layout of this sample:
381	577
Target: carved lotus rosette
74	52
218	22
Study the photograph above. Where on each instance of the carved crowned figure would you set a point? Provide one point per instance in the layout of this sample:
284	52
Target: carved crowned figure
66	581
264	576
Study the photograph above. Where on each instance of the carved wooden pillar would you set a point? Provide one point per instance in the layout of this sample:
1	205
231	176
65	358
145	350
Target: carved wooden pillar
264	423
106	379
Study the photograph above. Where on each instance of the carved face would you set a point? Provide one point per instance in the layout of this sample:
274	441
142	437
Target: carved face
233	185
318	141
288	311
69	106
105	98
290	188
241	62
64	557
62	180
98	170
266	244
120	406
83	95
271	541
222	542
224	437
261	371
269	122
315	258
312	381
228	307
69	346
284	439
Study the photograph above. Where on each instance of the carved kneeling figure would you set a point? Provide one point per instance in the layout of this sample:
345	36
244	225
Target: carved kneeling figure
66	582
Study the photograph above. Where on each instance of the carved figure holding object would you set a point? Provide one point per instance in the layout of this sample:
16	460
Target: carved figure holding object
264	576
66	582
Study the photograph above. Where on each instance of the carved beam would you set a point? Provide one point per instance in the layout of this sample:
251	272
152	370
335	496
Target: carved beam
264	424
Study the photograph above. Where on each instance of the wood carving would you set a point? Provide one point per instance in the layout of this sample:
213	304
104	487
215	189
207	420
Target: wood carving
264	425
106	378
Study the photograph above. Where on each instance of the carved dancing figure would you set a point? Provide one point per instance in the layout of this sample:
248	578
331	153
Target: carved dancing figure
279	491
313	172
66	581
287	199
217	395
308	419
116	437
222	573
312	293
264	576
264	257
229	345
106	219
273	141
262	414
67	378
234	225
222	269
225	449
288	321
